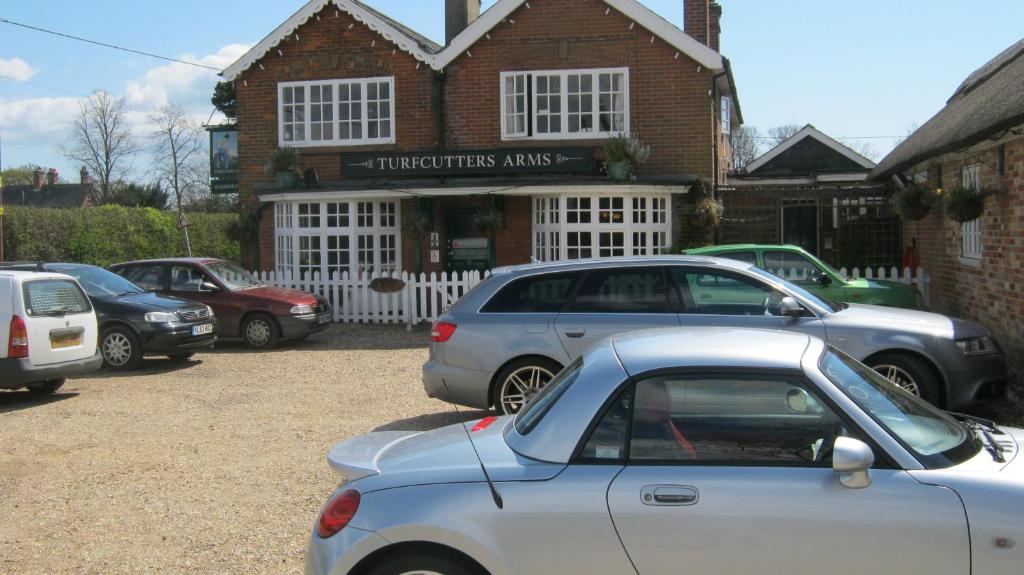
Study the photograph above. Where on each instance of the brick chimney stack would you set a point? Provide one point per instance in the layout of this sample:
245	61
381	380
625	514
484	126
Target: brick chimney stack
52	177
38	179
84	175
715	26
696	19
458	15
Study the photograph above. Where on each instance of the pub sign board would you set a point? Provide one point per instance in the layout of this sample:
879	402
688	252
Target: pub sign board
223	159
469	162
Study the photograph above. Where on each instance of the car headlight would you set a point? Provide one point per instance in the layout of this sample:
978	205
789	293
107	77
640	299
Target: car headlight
161	317
209	310
983	345
304	309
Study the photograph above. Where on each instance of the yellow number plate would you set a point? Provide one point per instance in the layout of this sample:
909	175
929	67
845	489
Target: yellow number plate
60	341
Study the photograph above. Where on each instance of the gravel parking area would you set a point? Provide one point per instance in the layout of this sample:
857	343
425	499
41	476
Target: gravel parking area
214	466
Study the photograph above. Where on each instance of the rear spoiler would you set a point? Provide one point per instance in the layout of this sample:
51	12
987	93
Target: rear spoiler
357	458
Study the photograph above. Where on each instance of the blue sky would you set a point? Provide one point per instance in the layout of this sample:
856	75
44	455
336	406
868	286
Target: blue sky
853	68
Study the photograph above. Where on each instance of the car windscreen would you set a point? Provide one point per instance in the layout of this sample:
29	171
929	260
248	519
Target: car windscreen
99	282
816	300
232	276
54	297
546	398
933	436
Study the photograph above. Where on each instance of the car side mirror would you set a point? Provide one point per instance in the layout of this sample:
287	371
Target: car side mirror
852	460
824	280
209	287
789	307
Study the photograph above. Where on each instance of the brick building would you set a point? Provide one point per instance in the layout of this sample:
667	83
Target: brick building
486	151
976	141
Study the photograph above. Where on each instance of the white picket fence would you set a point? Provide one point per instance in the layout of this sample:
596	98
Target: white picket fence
421	297
424	297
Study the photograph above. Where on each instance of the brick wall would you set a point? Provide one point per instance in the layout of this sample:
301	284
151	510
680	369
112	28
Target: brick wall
991	293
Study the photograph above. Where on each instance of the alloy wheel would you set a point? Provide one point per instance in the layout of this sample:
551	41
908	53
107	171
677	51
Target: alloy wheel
900	377
520	386
117	349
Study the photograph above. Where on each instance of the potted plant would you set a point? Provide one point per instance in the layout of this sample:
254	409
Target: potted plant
964	204
622	153
915	203
282	165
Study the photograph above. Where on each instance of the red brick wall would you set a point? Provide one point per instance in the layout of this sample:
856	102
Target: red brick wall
991	293
696	19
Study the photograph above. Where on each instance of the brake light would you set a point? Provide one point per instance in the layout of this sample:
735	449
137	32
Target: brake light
442	331
337	513
484	423
17	343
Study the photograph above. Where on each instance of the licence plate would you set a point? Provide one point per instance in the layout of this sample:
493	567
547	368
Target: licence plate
202	329
65	340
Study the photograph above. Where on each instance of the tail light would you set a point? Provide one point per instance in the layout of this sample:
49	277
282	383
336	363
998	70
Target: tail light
337	513
17	343
442	331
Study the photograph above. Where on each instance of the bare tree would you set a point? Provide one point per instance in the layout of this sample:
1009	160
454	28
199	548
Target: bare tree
746	146
178	159
862	147
101	139
780	134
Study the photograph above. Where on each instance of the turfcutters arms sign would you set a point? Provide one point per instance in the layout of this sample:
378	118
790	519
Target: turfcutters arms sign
469	162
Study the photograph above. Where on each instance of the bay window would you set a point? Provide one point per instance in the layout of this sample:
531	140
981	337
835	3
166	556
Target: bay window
336	112
564	104
578	226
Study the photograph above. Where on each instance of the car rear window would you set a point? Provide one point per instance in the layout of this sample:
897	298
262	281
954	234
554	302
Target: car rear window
535	294
54	297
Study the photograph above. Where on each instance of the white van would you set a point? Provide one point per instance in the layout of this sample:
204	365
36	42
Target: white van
48	331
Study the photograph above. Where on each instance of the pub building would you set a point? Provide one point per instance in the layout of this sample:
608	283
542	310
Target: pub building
486	151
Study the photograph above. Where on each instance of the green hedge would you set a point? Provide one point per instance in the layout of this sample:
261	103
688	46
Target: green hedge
110	234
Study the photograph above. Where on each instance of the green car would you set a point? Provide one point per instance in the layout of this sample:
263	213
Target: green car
816	276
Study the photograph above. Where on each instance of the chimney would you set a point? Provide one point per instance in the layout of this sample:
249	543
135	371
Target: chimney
51	177
37	179
458	15
715	26
84	175
695	19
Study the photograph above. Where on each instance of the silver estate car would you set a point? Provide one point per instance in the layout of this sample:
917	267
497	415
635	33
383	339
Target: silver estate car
698	451
509	336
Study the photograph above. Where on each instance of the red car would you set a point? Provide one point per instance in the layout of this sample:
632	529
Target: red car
260	314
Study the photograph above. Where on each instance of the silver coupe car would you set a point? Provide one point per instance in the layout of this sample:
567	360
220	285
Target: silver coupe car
508	337
699	451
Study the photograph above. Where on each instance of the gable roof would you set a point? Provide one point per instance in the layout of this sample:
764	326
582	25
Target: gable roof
55	196
438	57
810	132
988	102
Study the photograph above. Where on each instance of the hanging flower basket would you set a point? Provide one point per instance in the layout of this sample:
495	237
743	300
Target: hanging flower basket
915	202
964	204
488	220
417	224
703	214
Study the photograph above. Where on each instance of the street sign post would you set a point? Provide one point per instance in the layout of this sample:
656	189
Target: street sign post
183	225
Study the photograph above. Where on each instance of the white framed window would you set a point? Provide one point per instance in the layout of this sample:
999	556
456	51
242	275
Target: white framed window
726	115
576	226
970	232
564	104
336	112
327	237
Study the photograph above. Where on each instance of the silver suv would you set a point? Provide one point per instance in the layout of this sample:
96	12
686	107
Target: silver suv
509	336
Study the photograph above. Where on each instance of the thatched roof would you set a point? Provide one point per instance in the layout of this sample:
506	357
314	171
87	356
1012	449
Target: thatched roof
988	102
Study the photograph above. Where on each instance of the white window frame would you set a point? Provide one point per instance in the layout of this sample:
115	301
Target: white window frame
726	114
383	228
643	233
365	120
531	133
972	247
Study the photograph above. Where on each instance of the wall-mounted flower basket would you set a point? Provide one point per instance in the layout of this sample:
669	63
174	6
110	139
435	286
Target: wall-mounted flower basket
489	220
915	202
964	204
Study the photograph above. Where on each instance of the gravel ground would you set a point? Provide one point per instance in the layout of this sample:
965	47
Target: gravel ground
214	466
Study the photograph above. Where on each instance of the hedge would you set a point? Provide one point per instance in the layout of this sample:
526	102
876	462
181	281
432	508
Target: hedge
109	234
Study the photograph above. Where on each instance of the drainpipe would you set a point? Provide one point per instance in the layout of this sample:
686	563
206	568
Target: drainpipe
716	113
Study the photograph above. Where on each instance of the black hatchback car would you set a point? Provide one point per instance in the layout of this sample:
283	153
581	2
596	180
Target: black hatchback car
134	322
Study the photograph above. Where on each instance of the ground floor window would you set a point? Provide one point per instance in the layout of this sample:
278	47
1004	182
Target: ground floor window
578	226
328	237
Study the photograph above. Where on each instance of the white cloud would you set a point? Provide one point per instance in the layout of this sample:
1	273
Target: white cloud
180	83
37	120
17	69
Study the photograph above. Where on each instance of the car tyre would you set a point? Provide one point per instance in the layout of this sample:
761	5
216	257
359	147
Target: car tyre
260	331
423	564
910	373
48	387
121	349
520	380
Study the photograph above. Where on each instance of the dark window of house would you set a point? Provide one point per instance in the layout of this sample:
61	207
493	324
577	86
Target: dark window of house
536	294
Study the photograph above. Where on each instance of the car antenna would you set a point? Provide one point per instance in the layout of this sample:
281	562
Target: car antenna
494	492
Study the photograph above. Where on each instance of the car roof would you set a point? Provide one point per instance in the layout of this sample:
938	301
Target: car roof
26	274
202	261
585	264
649	350
743	247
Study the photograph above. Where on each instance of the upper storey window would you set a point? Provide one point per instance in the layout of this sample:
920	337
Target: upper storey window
564	104
336	112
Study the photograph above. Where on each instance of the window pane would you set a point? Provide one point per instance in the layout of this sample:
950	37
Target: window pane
608	441
642	290
540	294
713	292
790	266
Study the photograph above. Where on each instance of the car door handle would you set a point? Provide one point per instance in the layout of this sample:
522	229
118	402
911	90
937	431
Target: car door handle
672	495
575	333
